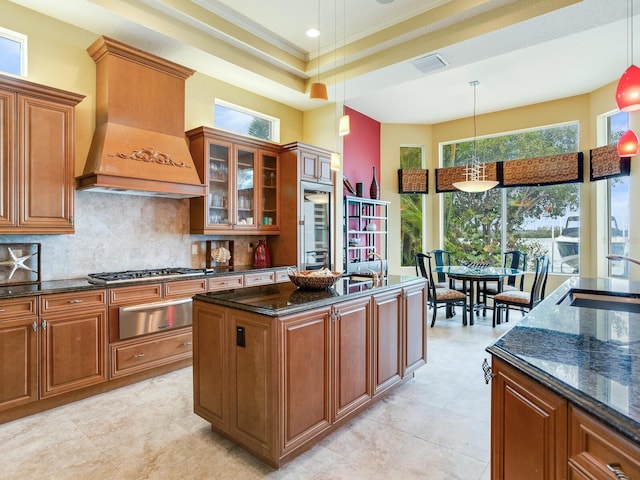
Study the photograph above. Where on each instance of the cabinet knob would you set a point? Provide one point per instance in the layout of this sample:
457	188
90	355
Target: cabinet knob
34	325
138	355
44	324
617	471
186	344
488	373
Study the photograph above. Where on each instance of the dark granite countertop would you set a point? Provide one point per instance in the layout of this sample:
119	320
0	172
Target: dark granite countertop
286	298
78	284
590	356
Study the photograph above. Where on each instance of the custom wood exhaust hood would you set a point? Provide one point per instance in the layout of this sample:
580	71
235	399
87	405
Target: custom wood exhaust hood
139	146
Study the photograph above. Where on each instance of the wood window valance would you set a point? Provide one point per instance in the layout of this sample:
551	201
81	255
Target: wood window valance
606	163
447	176
549	170
413	180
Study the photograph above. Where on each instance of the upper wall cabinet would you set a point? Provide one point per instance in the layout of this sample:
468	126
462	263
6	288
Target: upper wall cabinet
314	162
242	177
36	157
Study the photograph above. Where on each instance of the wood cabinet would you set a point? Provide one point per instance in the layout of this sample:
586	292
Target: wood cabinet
36	157
414	315
311	212
596	451
73	342
18	352
314	163
275	385
242	177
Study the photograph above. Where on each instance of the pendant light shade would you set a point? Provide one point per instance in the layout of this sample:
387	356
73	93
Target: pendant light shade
335	162
475	177
318	91
628	90
628	144
344	126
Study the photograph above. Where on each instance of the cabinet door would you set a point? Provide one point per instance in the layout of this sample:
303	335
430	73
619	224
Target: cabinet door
18	361
210	364
270	179
45	166
73	351
415	331
352	356
308	166
387	335
219	176
324	169
7	159
245	199
305	376
528	428
253	382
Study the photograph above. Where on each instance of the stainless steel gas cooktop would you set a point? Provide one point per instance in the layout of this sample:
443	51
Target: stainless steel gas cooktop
107	278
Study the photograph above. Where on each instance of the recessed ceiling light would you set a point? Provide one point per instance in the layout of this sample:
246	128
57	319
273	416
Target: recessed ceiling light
384	2
313	32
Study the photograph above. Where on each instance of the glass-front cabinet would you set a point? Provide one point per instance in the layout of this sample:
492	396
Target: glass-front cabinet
242	177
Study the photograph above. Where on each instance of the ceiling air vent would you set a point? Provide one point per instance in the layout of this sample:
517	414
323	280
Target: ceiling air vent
429	63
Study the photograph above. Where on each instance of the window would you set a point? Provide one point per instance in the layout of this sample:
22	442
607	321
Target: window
410	209
479	227
618	202
237	119
13	52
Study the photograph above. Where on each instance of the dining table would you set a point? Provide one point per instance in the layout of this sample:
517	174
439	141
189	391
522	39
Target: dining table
471	278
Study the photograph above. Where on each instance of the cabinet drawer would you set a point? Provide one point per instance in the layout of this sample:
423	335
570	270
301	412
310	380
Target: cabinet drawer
593	446
64	302
185	288
226	282
18	307
264	278
282	276
149	352
135	294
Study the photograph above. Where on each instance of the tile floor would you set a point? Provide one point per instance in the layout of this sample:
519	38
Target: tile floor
434	427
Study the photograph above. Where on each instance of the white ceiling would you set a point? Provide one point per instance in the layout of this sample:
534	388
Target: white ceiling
519	54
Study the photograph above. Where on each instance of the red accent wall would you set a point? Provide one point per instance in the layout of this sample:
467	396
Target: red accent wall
361	150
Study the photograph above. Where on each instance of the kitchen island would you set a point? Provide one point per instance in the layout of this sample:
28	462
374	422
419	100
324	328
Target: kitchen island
277	368
566	386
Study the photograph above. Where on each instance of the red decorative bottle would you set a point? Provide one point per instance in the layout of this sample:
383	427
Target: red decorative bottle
261	256
374	190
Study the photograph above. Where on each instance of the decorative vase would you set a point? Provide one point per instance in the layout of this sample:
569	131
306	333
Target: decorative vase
374	189
261	255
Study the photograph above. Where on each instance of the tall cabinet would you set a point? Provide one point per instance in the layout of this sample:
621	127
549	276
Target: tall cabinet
36	157
305	238
242	177
365	231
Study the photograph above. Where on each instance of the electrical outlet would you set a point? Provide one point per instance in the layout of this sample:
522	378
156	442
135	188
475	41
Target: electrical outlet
194	249
250	247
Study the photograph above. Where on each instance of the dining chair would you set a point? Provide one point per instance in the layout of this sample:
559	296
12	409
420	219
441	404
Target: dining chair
516	259
520	299
443	258
439	296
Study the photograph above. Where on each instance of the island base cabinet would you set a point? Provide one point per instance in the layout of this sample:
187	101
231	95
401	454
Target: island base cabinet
415	314
387	332
528	428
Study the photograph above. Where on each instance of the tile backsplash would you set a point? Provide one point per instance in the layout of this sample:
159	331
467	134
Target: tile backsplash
125	232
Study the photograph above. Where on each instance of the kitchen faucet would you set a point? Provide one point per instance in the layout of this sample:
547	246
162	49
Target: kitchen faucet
380	279
620	257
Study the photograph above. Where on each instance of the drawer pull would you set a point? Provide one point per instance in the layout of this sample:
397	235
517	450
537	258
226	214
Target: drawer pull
34	325
165	325
138	355
186	344
1	310
488	373
617	471
44	324
75	300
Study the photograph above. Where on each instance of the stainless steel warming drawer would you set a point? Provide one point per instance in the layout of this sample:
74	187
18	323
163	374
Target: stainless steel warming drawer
136	320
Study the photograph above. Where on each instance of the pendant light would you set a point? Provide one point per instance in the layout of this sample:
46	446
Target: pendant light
628	89
475	177
318	90
344	124
628	144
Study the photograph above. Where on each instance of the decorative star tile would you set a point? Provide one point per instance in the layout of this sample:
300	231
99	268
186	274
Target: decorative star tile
17	263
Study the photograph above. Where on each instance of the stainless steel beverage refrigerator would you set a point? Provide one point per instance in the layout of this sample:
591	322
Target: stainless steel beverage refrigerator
316	236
